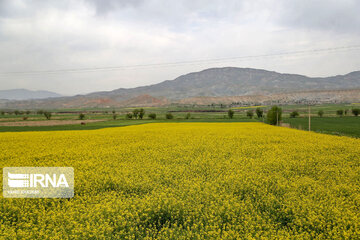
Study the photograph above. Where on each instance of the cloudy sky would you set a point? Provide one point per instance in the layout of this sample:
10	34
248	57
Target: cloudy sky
39	36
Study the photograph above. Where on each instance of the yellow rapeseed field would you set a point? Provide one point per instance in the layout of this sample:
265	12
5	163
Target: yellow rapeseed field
189	181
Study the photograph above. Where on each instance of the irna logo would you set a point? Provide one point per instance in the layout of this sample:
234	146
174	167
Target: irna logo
34	180
38	182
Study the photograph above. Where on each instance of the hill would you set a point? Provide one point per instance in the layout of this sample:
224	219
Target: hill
230	81
220	83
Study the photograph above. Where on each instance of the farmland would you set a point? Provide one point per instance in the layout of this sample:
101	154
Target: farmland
68	119
189	181
349	126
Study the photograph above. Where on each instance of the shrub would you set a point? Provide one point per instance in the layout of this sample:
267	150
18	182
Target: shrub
340	112
129	116
27	112
24	118
250	113
355	111
320	113
187	116
114	116
169	116
294	114
274	115
81	116
231	113
40	112
152	116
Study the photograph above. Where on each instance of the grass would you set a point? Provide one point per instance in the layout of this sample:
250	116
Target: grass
349	126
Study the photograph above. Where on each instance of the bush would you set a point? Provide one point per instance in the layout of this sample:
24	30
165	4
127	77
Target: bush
24	118
2	113
294	114
355	111
152	116
40	112
47	115
169	116
274	115
340	112
231	113
320	113
259	112
114	116
27	112
129	116
187	116
250	113
81	116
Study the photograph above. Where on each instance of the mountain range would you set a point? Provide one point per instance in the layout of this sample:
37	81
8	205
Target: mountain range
215	85
24	94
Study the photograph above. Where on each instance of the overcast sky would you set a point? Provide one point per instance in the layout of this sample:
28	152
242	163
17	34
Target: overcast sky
39	35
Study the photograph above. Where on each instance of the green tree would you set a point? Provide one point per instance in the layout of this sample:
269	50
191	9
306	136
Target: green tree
129	116
340	112
231	113
152	116
355	111
114	116
141	113
135	113
187	116
169	116
320	113
294	114
274	115
81	116
250	113
47	115
259	112
40	112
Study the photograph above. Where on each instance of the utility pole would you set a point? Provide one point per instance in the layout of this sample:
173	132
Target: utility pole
309	119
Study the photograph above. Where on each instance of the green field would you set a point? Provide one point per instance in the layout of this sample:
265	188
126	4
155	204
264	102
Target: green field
349	126
331	124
